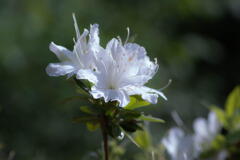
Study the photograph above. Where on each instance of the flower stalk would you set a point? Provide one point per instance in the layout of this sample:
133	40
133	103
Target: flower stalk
104	122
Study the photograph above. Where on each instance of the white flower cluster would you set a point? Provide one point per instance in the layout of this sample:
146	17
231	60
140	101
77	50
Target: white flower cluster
117	71
181	146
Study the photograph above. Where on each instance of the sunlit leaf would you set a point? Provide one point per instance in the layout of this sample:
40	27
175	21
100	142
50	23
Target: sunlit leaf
151	119
233	101
136	102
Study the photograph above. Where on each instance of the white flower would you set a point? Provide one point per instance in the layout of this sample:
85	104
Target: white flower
122	70
82	58
205	131
179	145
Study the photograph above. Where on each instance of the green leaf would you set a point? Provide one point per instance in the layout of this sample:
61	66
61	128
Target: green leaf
130	138
114	131
82	85
129	114
233	101
85	119
92	126
87	109
151	119
143	139
136	102
130	126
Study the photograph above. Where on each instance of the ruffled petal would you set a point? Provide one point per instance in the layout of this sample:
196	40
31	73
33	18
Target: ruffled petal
59	69
111	95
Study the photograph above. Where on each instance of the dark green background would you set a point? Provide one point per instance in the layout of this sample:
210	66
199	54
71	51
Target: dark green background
197	43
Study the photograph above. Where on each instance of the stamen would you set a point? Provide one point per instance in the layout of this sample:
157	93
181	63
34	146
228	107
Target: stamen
119	38
76	26
128	34
169	82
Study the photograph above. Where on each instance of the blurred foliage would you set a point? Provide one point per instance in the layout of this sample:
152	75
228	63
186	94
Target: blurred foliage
196	43
229	139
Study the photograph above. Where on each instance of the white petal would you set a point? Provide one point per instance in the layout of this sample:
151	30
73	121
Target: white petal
135	48
59	69
94	38
88	75
148	94
111	95
61	52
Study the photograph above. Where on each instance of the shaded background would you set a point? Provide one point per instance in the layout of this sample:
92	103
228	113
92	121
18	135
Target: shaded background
197	44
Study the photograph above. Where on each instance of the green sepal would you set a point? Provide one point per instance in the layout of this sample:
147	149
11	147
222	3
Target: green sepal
136	101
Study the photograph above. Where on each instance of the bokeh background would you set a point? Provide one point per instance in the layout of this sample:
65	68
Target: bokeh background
197	43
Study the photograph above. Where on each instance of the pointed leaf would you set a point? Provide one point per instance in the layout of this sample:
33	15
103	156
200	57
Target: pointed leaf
151	119
136	102
130	138
233	101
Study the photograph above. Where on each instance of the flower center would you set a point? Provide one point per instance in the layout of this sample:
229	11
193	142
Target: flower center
111	87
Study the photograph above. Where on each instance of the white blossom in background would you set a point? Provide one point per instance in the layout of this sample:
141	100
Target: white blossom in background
81	59
179	145
205	131
122	71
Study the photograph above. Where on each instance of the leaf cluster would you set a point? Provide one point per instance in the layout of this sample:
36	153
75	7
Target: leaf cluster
114	120
229	117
